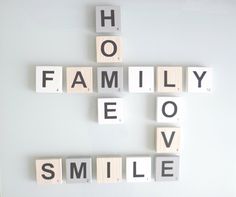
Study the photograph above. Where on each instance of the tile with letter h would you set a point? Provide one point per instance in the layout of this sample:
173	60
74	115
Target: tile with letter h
108	19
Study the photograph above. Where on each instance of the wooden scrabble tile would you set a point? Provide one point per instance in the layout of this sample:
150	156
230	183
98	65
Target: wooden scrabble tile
109	49
167	168
109	169
78	170
49	79
169	109
169	79
168	140
49	171
141	79
109	79
199	79
110	111
108	19
138	169
79	79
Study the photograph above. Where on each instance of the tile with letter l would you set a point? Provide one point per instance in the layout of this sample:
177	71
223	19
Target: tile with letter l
138	169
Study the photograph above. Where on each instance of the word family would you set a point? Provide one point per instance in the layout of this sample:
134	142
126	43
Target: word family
110	79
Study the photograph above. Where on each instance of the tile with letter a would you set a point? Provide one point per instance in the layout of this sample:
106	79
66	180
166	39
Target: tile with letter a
109	49
49	171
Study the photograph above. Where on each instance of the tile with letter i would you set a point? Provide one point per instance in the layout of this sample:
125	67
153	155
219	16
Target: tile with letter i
109	169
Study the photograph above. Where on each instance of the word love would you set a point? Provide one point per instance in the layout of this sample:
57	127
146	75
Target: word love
108	169
110	79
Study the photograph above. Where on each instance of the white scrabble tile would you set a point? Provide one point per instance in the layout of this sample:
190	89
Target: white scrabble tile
141	79
199	79
49	171
138	169
49	79
169	109
109	49
110	111
109	169
168	140
169	79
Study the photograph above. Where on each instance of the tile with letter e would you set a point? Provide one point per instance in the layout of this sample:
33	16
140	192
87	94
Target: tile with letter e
109	169
78	170
79	79
109	79
49	171
110	111
167	168
138	169
49	79
108	19
141	79
169	109
199	79
169	79
109	49
167	140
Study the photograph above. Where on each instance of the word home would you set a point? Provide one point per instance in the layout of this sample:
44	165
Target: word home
108	169
141	79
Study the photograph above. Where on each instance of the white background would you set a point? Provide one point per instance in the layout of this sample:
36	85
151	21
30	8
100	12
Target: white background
62	32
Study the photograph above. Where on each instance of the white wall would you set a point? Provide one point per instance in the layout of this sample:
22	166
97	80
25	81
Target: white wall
184	32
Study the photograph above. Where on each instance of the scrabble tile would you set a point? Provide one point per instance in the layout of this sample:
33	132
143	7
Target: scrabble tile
79	79
49	79
141	79
138	169
109	169
109	49
49	171
167	168
108	19
169	79
78	170
169	109
168	140
110	111
109	79
199	79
